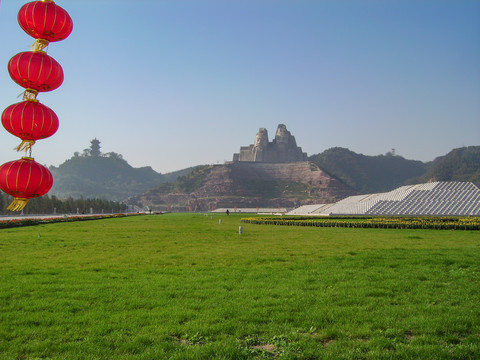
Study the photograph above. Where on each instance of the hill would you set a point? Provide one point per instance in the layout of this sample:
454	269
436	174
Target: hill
462	164
101	177
108	176
368	174
247	184
105	176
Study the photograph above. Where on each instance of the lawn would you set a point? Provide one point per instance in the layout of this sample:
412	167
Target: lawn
184	286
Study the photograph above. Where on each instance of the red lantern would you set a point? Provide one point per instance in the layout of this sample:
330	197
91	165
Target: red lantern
30	121
24	179
35	70
45	20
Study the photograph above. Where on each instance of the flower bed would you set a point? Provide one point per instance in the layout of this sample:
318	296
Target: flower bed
38	221
400	222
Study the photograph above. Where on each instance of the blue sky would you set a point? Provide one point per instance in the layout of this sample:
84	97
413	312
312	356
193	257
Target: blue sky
172	84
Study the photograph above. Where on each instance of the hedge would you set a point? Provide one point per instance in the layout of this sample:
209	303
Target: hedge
400	222
4	224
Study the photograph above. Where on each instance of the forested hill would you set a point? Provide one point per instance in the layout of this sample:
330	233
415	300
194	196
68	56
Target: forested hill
368	174
462	164
372	174
107	177
104	176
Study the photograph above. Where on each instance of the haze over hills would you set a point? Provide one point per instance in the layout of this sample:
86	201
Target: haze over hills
334	173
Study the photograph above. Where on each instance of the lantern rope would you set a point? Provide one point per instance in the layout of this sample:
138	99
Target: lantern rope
17	204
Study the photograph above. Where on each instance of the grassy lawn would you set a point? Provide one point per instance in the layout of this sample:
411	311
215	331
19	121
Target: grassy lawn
183	286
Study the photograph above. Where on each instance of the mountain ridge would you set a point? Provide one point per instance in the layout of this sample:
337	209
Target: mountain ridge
109	176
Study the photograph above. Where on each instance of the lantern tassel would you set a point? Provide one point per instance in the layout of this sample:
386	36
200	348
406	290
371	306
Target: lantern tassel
39	45
25	145
17	204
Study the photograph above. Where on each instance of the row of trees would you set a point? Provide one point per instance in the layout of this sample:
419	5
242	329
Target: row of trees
51	204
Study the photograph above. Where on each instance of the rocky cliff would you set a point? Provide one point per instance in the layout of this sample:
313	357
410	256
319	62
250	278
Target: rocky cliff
249	184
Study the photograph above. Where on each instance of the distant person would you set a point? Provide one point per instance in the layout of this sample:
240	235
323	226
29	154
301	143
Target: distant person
228	212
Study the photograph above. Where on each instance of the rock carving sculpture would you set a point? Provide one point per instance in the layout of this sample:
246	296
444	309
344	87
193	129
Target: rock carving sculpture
282	149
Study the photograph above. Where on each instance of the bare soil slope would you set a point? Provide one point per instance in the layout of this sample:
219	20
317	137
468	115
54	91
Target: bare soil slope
250	184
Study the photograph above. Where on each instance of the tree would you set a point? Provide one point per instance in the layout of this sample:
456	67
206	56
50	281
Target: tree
114	155
3	202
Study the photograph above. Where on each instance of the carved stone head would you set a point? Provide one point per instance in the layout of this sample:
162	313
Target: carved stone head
261	140
282	136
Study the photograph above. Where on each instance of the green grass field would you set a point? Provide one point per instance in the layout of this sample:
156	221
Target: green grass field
183	286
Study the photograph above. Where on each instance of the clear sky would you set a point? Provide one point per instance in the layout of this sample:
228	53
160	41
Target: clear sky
178	83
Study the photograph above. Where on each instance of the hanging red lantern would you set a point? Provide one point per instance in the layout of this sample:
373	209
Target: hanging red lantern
45	20
30	121
24	179
35	70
